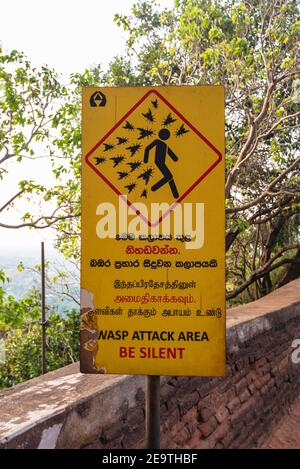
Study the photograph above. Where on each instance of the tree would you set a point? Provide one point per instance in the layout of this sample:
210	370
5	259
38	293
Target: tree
23	348
20	334
30	109
251	48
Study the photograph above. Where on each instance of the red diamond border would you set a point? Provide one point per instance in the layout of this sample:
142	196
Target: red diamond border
202	137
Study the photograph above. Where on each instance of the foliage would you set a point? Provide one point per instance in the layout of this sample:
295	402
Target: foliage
251	48
28	97
14	313
21	334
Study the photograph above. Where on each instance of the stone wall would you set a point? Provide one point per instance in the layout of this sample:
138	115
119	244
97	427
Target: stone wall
65	409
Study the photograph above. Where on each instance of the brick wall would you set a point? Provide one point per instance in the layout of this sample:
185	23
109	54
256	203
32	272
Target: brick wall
65	409
233	412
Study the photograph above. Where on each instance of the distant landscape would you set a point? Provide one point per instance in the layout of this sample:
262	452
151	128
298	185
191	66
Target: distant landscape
21	282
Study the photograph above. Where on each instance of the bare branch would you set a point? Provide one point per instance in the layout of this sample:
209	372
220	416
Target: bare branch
266	268
49	221
11	200
267	191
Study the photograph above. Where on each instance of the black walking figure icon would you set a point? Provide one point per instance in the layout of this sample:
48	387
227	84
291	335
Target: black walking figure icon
161	151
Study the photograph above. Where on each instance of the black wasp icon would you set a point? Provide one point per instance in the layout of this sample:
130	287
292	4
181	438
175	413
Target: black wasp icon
97	99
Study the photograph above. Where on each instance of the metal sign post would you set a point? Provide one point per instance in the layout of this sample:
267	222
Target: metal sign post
152	412
43	309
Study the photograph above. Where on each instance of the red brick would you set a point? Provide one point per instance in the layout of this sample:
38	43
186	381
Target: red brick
241	385
236	377
221	414
233	404
188	402
172	418
166	392
241	413
192	427
208	427
182	436
219	445
260	382
252	388
207	443
204	389
283	364
190	416
271	383
172	403
229	395
244	395
231	434
225	385
194	442
250	377
221	431
264	390
262	361
204	414
241	437
176	428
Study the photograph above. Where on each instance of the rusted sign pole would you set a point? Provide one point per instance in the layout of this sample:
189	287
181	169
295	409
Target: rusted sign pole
152	412
43	309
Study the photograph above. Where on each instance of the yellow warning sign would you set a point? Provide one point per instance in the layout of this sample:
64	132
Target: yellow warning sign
152	267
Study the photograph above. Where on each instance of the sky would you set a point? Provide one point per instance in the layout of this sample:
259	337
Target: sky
68	35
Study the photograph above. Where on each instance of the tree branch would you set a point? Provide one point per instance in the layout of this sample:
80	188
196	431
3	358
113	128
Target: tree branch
266	268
